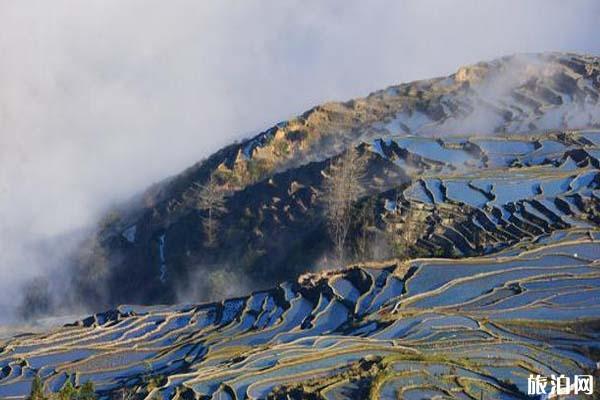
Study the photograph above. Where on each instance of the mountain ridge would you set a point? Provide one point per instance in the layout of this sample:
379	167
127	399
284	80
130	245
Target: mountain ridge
237	151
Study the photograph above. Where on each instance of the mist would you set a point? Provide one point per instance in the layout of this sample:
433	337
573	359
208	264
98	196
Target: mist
99	99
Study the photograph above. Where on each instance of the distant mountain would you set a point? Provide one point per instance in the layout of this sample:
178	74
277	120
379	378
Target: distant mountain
154	249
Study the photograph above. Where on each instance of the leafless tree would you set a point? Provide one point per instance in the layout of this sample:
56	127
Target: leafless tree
365	221
211	198
124	393
342	189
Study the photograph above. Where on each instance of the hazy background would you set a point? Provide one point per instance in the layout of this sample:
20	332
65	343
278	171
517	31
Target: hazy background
98	99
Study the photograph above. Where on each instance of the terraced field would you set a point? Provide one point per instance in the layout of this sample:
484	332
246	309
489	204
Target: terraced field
512	219
478	194
416	329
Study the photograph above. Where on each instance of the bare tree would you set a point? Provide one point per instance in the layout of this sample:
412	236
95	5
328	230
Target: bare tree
124	393
342	189
365	221
211	198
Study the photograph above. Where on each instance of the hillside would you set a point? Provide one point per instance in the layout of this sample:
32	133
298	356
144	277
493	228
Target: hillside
150	249
468	258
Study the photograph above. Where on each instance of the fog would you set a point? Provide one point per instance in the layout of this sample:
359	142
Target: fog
99	99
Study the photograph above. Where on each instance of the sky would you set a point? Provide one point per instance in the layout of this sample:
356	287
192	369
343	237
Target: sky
99	99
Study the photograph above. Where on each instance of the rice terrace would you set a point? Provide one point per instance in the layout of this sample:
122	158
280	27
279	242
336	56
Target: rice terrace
425	327
436	239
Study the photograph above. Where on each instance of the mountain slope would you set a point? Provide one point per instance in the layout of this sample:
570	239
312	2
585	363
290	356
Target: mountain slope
472	256
149	251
